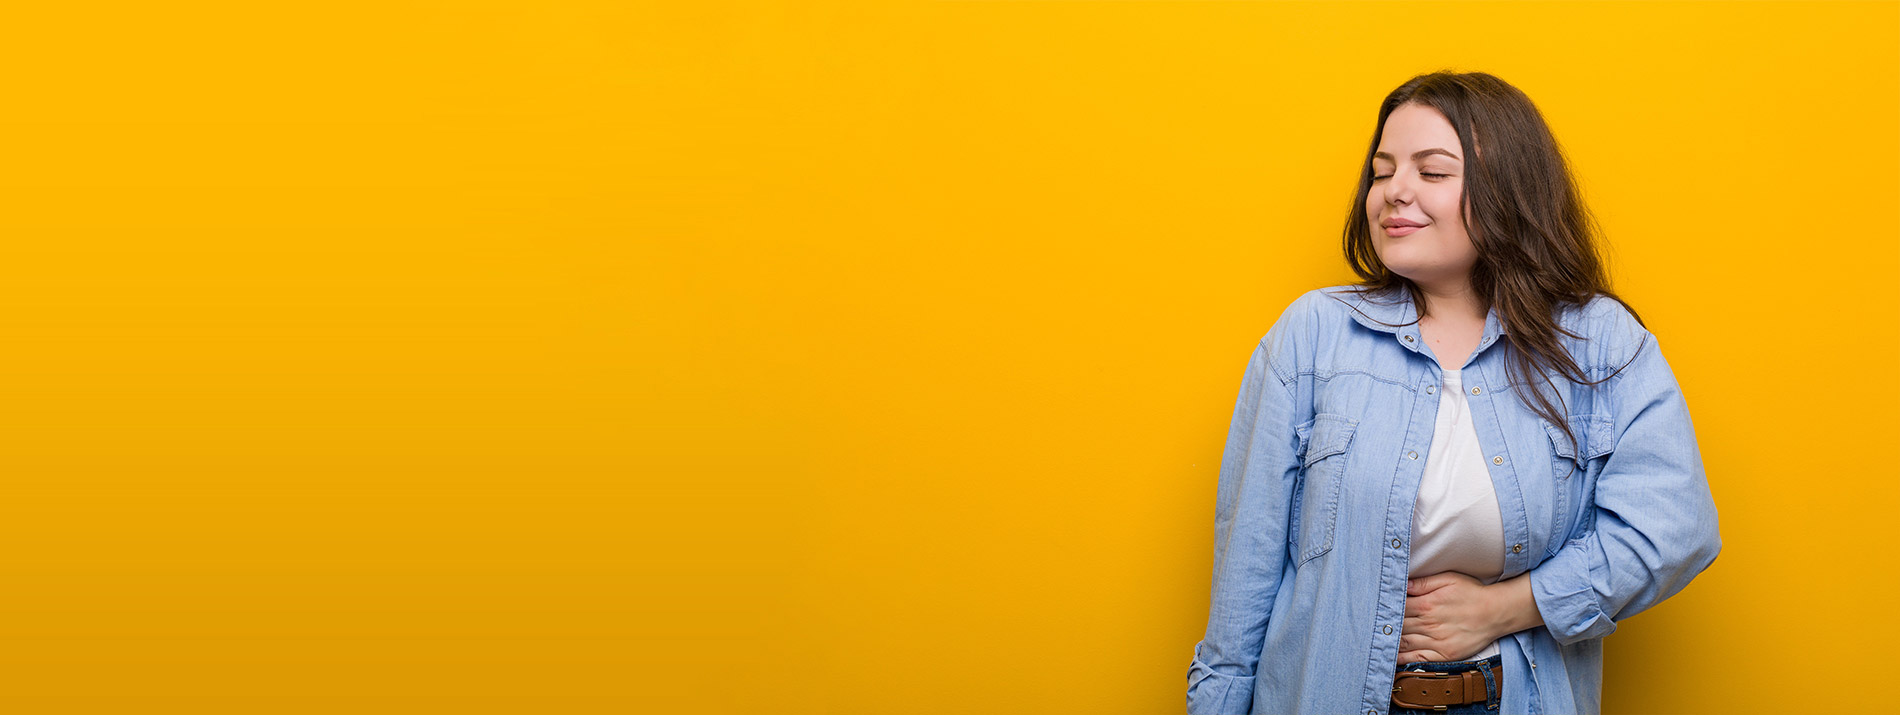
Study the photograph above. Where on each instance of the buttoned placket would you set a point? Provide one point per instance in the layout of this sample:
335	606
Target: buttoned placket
1416	444
1412	469
1513	552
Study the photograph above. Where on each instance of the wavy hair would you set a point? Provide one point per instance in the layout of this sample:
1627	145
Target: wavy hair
1537	242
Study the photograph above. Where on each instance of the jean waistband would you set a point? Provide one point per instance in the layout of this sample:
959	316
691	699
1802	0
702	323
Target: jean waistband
1454	666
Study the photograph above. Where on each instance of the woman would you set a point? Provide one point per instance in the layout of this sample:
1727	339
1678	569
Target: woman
1445	484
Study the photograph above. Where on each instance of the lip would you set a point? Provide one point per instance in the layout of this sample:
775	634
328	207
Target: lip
1399	222
1396	231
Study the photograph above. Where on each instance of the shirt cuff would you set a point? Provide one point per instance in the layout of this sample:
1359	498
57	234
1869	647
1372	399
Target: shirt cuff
1566	598
1211	693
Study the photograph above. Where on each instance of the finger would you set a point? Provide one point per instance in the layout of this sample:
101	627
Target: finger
1428	584
1420	656
1417	641
1414	624
1415	606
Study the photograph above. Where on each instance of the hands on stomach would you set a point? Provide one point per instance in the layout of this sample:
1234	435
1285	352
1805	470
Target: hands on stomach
1452	616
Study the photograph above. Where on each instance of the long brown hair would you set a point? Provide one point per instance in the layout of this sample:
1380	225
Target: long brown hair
1537	242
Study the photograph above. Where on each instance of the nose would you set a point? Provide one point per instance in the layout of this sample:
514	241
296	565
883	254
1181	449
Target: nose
1398	189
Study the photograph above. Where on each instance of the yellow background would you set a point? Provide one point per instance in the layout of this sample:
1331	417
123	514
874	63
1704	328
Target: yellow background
819	357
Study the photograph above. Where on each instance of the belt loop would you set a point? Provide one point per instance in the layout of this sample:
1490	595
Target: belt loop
1492	693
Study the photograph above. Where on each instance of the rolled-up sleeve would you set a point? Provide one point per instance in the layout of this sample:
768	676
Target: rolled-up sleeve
1655	524
1258	467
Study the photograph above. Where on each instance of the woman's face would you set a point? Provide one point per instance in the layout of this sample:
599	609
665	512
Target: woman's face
1418	177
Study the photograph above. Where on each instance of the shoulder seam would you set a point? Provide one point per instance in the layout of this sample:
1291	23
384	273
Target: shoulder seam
1279	374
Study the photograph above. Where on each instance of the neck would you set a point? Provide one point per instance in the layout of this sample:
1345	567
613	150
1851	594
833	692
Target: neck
1455	302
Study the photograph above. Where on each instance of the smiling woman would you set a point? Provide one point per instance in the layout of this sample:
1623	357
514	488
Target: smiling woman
1421	195
1443	486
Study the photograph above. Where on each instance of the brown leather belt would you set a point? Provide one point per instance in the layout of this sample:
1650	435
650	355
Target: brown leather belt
1435	691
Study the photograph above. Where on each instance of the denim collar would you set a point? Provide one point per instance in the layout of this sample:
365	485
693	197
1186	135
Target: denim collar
1392	311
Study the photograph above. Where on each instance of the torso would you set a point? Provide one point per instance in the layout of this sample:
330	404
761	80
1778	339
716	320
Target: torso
1338	564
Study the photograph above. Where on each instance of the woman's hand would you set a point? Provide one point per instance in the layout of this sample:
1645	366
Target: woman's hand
1452	616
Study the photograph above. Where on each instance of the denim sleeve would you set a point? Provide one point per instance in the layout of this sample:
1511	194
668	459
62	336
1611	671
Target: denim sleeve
1655	525
1257	470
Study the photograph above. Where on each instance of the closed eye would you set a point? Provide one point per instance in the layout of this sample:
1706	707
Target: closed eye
1441	176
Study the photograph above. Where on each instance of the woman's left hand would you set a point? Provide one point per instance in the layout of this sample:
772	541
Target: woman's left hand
1449	616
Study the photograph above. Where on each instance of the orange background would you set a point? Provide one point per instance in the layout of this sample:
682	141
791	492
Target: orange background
821	357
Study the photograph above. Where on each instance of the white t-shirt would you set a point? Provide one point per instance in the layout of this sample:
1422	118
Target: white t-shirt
1456	525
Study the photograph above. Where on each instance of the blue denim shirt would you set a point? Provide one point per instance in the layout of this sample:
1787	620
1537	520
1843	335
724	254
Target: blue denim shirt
1313	510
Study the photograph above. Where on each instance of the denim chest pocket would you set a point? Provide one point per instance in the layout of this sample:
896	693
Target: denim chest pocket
1574	468
1324	444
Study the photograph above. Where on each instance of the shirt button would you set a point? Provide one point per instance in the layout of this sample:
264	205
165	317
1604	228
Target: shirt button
1517	548
1388	630
1497	460
1411	455
1395	542
1408	338
1431	389
1474	391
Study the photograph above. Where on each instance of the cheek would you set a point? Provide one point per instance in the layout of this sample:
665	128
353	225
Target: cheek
1451	208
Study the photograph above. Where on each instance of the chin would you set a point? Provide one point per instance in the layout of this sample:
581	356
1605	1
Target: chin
1405	271
1397	265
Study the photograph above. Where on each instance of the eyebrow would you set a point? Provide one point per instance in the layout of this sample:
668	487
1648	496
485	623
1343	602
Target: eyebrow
1418	155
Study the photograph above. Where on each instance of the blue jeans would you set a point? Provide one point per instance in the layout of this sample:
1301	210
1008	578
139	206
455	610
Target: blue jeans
1489	706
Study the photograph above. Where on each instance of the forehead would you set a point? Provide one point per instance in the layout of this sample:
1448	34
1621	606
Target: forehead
1414	129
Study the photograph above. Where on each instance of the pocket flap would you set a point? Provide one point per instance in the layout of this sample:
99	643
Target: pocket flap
1330	435
1596	436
